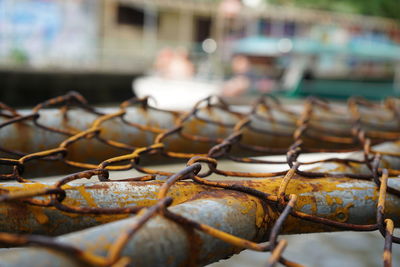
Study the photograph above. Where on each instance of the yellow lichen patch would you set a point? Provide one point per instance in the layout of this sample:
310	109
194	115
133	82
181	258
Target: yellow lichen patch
247	206
333	200
181	193
67	187
303	201
24	187
261	216
338	200
373	198
26	191
329	200
39	215
86	195
72	201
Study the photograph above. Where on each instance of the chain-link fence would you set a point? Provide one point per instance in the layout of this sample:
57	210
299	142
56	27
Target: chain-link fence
189	217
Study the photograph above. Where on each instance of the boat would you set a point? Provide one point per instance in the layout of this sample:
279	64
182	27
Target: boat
296	68
367	76
175	94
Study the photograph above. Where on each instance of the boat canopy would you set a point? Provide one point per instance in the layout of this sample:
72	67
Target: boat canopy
357	47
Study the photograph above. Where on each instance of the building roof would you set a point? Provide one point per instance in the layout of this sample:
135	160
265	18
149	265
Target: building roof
291	13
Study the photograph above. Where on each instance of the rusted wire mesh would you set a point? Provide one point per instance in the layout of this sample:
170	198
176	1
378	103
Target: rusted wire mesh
318	127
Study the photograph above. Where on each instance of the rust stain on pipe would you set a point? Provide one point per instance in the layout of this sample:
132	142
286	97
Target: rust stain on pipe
325	197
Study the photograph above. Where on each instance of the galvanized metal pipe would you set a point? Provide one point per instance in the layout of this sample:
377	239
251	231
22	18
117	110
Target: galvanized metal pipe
18	217
234	213
28	138
387	161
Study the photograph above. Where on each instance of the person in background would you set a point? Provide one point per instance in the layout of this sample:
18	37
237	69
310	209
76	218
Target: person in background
162	61
172	64
244	80
240	82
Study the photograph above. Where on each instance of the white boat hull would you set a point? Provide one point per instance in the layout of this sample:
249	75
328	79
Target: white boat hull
174	94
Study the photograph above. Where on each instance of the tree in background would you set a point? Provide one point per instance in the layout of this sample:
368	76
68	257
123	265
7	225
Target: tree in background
382	8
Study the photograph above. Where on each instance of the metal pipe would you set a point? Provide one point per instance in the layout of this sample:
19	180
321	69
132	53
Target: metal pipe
20	217
339	199
26	137
17	217
232	212
387	161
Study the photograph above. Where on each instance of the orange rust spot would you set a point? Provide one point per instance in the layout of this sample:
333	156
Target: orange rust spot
342	214
17	215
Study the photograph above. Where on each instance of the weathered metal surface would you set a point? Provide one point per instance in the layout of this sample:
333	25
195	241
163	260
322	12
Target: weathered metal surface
320	197
24	218
323	195
234	213
19	217
27	137
387	161
37	139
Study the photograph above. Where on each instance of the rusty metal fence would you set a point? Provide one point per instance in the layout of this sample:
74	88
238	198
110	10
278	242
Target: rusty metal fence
188	217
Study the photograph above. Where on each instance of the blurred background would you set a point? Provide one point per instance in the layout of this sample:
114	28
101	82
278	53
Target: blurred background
182	50
106	48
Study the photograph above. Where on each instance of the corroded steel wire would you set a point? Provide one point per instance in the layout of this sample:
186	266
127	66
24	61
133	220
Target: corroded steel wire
320	127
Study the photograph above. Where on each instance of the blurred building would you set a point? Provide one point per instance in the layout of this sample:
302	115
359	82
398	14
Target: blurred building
125	35
46	34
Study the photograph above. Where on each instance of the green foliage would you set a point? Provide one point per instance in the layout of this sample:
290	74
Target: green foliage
19	56
382	8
